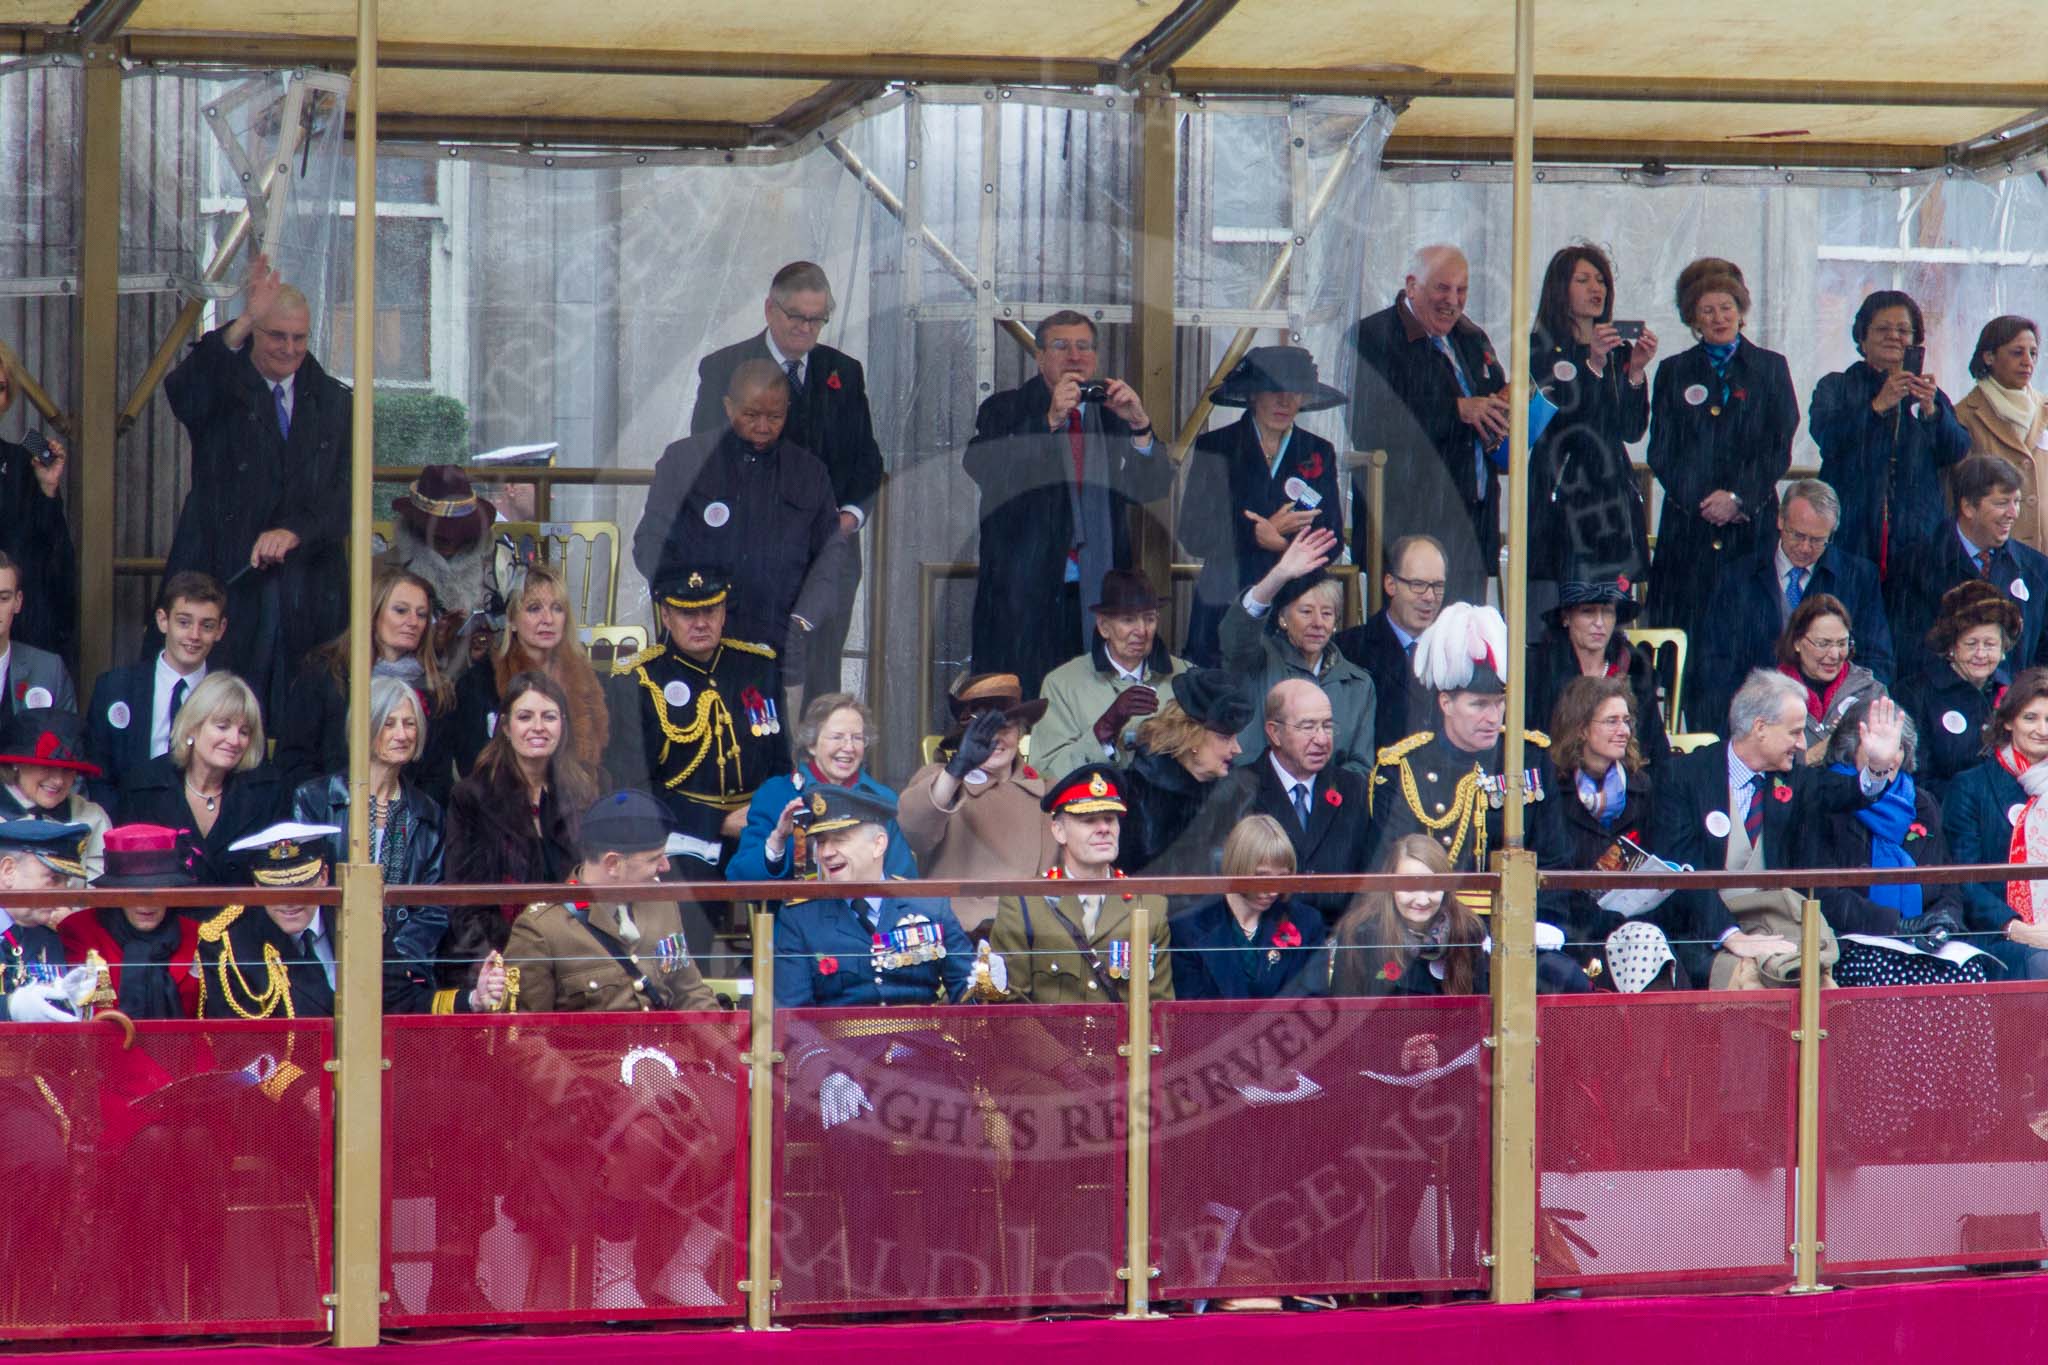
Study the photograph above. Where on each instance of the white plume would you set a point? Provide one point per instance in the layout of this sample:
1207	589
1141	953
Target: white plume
1462	635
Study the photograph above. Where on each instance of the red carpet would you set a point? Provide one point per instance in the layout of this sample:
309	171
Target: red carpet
1953	1320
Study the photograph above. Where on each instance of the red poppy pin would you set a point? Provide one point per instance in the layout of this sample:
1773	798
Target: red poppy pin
832	381
20	690
1333	797
1916	830
47	744
1633	837
1030	771
1621	581
828	966
1390	971
1487	356
1312	467
1780	792
1742	395
1287	936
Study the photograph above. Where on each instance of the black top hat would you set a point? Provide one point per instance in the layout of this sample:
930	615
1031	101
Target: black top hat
441	503
624	822
46	738
831	808
1126	590
691	588
1215	698
1605	593
1277	369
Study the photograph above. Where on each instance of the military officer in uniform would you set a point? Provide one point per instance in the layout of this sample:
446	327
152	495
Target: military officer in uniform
1061	950
584	955
873	950
36	855
698	719
1446	784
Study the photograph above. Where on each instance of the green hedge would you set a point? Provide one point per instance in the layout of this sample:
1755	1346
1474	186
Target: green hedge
415	427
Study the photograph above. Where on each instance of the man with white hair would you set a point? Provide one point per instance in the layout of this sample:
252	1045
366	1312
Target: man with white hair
1738	805
1430	392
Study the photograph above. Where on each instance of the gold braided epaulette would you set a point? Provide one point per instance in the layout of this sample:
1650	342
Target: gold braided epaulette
216	929
621	667
1400	749
748	647
1537	738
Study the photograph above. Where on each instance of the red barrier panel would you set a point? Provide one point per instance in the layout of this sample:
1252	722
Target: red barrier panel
564	1168
1320	1146
1935	1115
967	1157
179	1186
1666	1130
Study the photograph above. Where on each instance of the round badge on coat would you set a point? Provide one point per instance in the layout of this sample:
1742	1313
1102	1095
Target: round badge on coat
717	514
1717	823
1295	488
1564	372
2015	813
36	698
2018	590
1953	722
976	778
118	715
677	693
1695	394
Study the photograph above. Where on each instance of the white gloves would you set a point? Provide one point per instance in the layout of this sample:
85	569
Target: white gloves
41	1003
841	1100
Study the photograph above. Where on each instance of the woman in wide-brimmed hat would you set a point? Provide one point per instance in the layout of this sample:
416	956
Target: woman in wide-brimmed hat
1252	486
42	757
973	811
1586	640
441	532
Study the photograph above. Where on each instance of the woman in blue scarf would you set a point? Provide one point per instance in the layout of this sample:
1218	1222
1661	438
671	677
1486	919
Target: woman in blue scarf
1881	927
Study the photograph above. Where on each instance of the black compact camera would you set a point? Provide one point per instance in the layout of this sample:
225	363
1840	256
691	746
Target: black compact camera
1629	331
1095	391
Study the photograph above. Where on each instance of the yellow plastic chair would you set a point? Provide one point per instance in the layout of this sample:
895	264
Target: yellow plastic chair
572	548
1656	642
1685	744
607	644
929	747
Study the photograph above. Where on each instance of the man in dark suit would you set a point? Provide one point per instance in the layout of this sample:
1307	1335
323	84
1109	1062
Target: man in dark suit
267	513
1430	393
1412	585
1062	463
828	416
1975	543
133	707
1739	805
1324	808
1753	608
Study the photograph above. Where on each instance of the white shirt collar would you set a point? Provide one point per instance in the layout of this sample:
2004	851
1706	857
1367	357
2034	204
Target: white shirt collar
167	676
1288	780
1122	673
803	362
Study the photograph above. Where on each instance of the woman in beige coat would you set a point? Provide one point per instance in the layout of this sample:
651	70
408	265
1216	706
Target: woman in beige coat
2006	416
973	812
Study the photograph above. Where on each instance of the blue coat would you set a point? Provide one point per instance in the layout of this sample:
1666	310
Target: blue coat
1937	699
1980	832
824	955
1212	961
117	748
1883	464
750	863
1750	615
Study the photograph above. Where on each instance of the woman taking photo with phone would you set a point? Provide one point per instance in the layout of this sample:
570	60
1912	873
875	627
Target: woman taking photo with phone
1886	432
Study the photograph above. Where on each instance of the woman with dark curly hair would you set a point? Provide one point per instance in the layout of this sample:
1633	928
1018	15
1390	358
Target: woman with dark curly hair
1950	701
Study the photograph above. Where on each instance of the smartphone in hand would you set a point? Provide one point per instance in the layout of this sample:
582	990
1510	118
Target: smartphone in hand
1916	359
1628	331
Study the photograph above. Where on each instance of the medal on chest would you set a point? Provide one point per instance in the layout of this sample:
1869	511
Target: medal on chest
913	941
763	719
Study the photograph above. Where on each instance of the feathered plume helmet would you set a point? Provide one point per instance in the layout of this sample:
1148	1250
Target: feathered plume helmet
1464	651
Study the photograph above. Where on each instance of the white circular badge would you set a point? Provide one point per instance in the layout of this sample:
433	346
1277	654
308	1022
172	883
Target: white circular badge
1717	823
2018	590
36	698
2015	813
1953	722
676	693
1564	371
1695	394
1295	488
118	715
976	778
717	514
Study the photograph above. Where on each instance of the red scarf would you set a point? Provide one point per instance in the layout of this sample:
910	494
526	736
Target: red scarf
813	767
1817	703
2029	839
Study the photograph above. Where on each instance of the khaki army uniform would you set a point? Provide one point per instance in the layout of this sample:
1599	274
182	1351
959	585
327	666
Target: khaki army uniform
571	962
1046	967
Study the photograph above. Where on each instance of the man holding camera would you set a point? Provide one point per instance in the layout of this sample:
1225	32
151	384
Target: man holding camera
1061	463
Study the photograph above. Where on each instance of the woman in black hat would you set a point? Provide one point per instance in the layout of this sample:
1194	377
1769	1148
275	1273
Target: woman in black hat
1587	518
42	756
1586	640
1253	485
151	951
1183	755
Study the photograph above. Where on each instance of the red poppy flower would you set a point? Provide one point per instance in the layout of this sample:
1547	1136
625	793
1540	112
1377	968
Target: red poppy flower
828	966
1632	837
1390	971
1742	395
1916	830
832	381
1487	357
1333	796
20	690
1781	793
1030	771
1312	467
1287	936
1621	581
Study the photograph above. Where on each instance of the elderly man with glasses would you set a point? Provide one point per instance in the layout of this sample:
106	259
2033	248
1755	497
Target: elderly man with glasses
828	416
1062	463
1413	584
1755	606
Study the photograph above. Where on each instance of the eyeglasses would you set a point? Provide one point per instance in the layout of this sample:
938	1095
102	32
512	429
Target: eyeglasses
1799	540
804	319
1422	587
1840	645
1307	728
1062	346
1905	331
828	739
1614	723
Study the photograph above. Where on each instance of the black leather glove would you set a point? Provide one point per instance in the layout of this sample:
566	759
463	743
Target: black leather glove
1935	928
976	745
